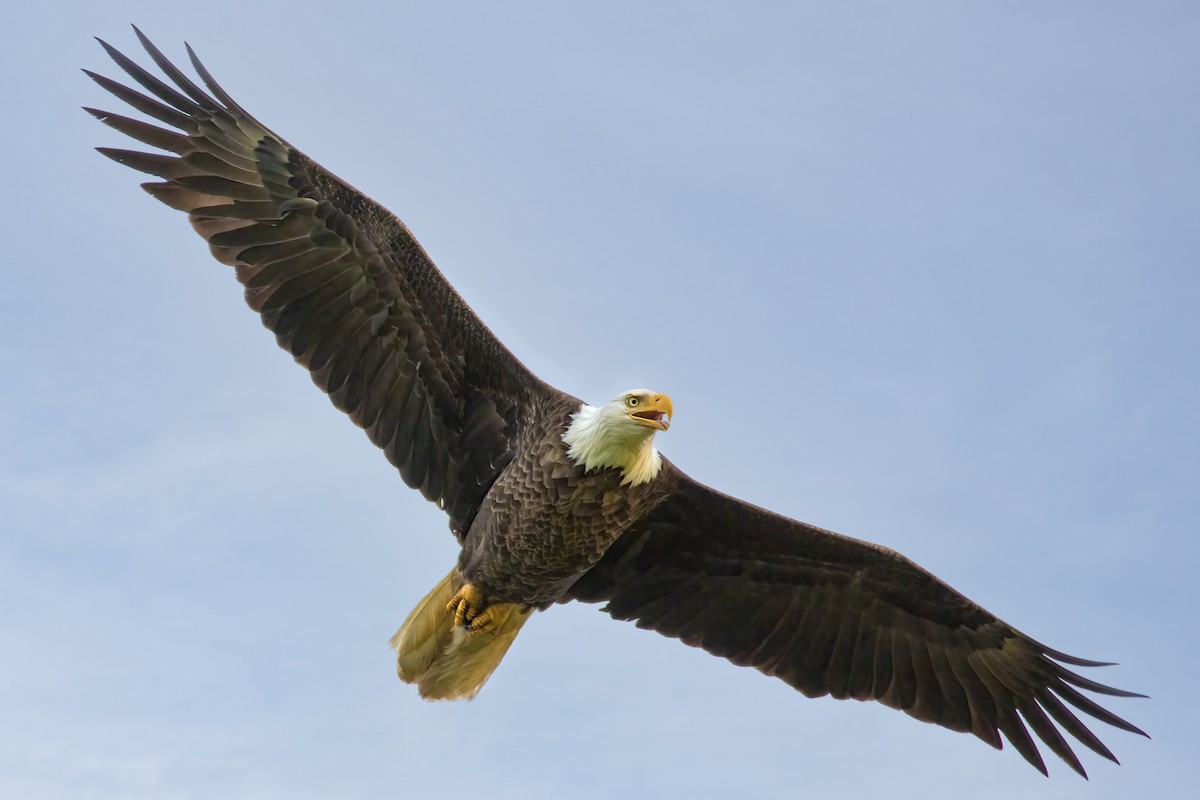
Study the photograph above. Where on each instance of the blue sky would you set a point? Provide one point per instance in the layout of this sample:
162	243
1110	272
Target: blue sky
922	273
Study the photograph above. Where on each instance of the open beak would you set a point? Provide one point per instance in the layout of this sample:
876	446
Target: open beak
656	413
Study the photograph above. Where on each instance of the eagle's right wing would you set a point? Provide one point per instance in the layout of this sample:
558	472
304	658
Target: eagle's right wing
832	615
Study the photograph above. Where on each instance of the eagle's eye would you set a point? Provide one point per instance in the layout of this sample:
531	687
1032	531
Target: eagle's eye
631	401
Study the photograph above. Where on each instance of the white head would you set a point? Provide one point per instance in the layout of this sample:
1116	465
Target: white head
620	434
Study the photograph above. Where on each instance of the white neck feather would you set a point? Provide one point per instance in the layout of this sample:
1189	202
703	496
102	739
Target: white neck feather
602	437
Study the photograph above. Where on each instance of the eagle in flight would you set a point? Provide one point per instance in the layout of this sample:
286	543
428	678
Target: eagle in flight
553	499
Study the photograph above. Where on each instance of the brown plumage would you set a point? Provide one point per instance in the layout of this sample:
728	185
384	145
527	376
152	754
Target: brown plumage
349	292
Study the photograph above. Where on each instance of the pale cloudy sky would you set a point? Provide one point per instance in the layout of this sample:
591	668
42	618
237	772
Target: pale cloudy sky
924	273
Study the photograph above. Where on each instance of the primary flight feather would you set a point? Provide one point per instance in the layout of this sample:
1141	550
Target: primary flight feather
552	499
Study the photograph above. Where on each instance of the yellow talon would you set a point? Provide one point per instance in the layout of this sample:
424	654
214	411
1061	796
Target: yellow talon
470	609
482	623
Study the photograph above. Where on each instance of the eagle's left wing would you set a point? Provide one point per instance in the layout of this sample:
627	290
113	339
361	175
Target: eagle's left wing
341	282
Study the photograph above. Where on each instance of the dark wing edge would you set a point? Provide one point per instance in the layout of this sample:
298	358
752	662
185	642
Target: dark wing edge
833	615
345	287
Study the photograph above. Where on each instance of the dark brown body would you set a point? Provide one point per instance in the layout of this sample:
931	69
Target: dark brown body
545	522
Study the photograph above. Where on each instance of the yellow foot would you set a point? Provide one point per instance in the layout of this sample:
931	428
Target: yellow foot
471	609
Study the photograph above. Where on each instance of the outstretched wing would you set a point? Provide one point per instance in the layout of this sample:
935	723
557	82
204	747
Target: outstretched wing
832	615
341	282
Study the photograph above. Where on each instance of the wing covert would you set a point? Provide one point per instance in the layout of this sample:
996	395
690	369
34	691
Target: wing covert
342	283
832	615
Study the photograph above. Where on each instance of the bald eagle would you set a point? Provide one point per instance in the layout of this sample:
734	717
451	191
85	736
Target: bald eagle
552	499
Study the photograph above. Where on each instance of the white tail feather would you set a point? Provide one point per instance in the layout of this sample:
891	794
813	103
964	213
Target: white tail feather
445	662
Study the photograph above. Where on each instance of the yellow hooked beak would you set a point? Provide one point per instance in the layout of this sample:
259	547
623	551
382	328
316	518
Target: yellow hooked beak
654	413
